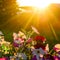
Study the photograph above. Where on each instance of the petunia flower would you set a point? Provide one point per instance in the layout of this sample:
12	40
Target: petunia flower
22	55
18	42
57	47
3	58
38	53
29	40
15	36
35	30
22	35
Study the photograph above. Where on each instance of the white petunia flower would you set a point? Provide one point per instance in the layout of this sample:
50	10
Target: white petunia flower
35	30
22	55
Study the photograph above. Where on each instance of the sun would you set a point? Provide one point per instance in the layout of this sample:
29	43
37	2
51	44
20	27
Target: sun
34	3
42	4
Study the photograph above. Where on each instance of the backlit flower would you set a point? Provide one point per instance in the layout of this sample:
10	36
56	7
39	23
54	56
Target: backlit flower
57	47
35	30
21	34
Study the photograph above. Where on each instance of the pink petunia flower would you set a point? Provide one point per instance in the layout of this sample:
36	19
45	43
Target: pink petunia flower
29	40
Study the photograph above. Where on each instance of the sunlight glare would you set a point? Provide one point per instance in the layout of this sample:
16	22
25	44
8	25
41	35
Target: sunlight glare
34	3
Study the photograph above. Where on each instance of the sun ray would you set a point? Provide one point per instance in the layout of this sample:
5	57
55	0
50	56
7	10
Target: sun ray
28	22
55	19
53	31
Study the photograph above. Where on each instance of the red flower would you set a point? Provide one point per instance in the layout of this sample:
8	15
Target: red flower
39	46
41	38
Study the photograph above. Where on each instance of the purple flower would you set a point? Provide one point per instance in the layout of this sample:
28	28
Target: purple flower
38	53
